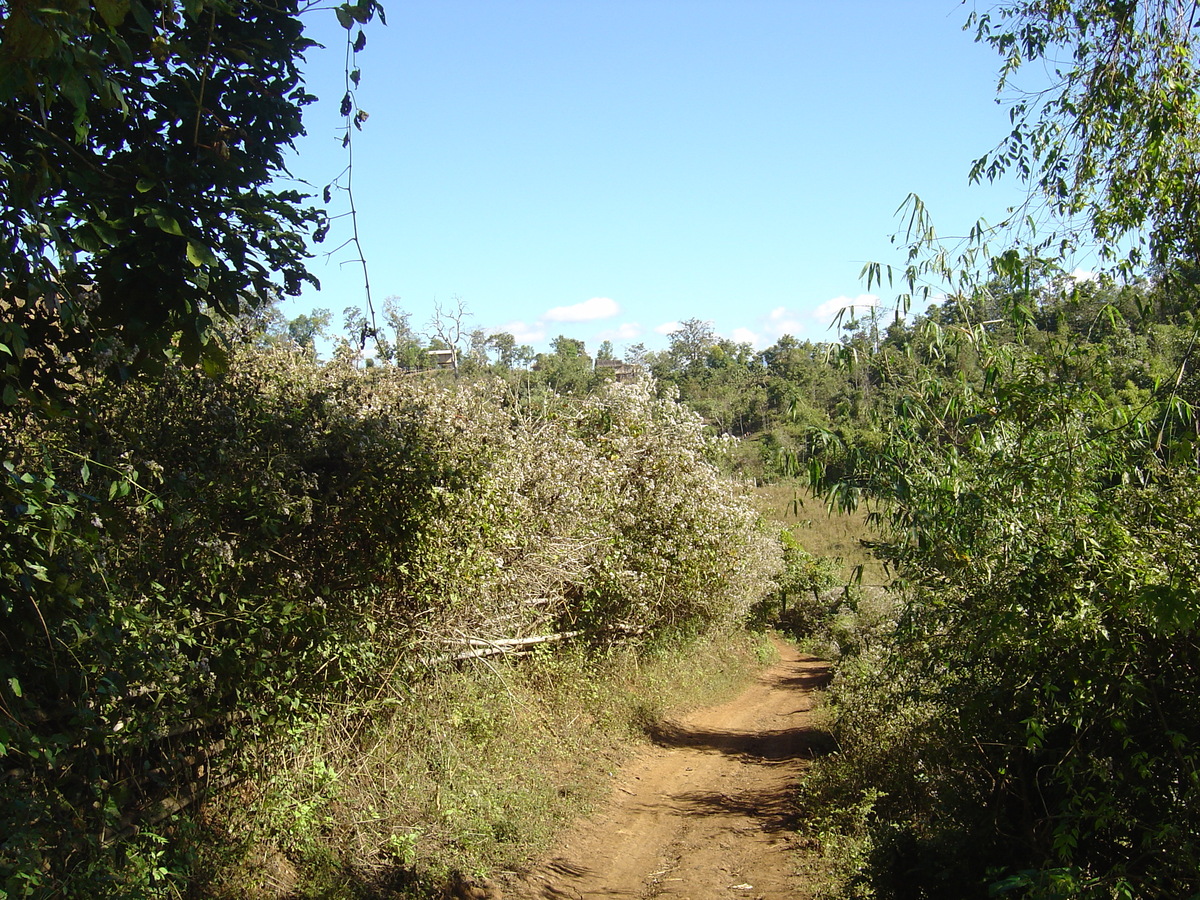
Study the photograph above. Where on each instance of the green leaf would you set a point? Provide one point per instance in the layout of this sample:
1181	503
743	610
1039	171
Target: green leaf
107	235
344	16
144	184
199	255
215	361
75	89
15	686
145	18
88	241
25	37
165	222
112	11
190	347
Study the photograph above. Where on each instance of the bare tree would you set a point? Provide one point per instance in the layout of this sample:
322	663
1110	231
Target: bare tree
449	326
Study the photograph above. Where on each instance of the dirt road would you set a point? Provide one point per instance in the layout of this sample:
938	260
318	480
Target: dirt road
703	813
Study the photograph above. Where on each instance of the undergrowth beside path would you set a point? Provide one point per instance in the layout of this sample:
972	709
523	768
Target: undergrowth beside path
472	770
214	564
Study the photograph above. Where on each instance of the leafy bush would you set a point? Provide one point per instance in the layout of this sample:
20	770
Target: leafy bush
1038	686
212	559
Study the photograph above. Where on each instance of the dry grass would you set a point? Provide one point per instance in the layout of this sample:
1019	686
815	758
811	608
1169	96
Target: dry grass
472	770
819	531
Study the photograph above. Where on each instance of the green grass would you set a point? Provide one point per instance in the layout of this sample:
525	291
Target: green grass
474	770
819	531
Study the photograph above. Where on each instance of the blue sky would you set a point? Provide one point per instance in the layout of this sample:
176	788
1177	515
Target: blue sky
606	168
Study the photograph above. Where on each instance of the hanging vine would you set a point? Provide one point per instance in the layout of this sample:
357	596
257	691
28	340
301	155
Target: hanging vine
352	18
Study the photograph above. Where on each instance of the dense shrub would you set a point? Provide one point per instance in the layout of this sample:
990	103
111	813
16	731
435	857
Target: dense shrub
209	559
1028	727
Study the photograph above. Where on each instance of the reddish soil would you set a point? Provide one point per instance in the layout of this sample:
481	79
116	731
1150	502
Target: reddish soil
704	813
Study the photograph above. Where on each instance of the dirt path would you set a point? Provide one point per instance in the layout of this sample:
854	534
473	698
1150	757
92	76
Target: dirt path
703	814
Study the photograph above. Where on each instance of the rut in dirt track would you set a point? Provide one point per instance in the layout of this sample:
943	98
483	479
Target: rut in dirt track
705	812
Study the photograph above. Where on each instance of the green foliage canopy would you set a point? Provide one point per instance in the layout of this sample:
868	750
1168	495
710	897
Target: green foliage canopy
140	149
1113	142
1034	479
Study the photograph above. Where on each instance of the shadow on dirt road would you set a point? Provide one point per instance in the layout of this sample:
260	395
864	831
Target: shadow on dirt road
705	812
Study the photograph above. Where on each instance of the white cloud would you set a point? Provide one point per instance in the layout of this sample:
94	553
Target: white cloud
666	327
781	321
830	308
1083	275
626	331
587	311
745	336
524	333
770	328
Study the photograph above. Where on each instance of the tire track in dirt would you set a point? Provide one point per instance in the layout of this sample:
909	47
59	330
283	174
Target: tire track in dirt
702	814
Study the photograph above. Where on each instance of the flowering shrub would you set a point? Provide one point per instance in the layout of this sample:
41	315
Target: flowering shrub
217	557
